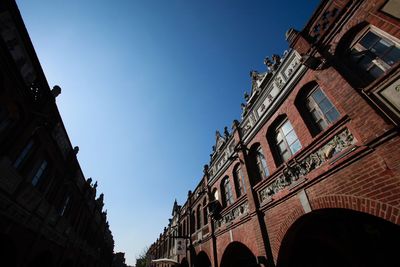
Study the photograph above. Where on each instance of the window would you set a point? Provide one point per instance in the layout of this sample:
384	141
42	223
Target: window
239	181
198	215
375	54
228	197
261	164
23	155
215	194
65	205
192	222
321	109
205	212
287	141
39	173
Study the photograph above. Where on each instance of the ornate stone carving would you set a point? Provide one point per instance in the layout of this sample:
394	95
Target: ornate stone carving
226	133
237	212
295	170
272	65
279	82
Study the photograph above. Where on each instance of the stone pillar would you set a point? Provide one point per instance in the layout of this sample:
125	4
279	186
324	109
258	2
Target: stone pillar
257	217
211	228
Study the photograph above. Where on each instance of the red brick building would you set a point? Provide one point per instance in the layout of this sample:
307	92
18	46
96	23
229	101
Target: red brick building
310	175
49	213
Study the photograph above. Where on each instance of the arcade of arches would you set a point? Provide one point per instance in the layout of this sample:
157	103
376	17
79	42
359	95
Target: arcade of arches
323	238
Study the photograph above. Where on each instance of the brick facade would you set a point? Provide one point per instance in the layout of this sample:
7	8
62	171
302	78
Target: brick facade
339	193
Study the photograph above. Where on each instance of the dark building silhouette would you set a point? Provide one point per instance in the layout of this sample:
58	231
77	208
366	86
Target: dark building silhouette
119	260
49	213
310	175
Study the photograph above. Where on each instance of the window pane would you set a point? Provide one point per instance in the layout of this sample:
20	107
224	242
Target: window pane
369	40
393	56
332	115
279	137
356	55
22	156
318	95
39	173
286	155
366	61
286	127
322	124
282	147
316	115
265	167
291	137
325	105
381	47
296	146
375	71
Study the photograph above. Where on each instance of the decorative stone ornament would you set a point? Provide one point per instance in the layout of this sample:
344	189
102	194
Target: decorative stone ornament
296	170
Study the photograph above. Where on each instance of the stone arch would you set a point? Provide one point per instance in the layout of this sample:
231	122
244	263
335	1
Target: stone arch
347	38
339	237
237	254
364	205
202	260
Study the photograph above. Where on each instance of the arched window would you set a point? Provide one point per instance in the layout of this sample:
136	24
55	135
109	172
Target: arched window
23	155
215	194
239	181
375	52
261	163
258	164
286	141
198	217
227	192
65	204
192	222
205	212
39	173
321	111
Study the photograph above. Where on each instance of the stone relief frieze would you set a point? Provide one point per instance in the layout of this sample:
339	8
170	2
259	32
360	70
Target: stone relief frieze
292	67
297	169
237	212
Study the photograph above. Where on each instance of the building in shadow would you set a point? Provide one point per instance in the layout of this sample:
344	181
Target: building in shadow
49	212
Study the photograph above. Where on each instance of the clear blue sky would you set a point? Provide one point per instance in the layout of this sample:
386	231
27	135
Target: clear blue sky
146	83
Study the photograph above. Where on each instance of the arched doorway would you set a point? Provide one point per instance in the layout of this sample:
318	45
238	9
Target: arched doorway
340	237
184	263
202	260
8	253
238	255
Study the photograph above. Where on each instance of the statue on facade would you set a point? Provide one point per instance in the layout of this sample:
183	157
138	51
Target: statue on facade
268	62
226	133
246	96
100	201
277	59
